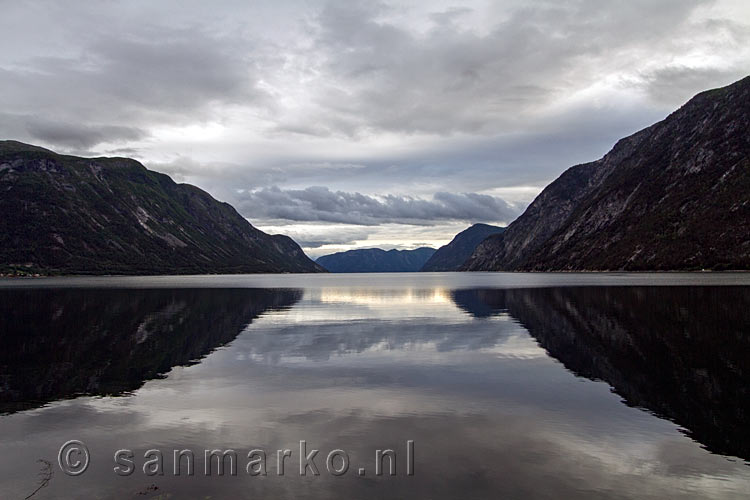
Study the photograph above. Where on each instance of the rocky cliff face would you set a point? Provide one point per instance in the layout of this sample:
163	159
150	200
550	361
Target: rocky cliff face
376	260
450	257
673	196
64	214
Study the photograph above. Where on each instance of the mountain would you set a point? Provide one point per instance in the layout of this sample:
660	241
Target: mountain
65	214
450	257
673	196
375	260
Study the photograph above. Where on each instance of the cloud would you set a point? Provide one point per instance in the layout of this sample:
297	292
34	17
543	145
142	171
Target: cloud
676	84
119	85
321	204
378	74
317	237
321	238
79	136
354	69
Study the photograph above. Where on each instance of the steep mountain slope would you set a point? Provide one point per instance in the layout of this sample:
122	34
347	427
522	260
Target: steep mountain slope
450	257
673	196
64	214
375	260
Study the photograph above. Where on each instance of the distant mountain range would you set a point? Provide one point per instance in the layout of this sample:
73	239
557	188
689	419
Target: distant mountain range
375	260
450	257
68	215
674	196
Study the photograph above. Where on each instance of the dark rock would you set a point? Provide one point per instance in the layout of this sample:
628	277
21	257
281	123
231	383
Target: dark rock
450	257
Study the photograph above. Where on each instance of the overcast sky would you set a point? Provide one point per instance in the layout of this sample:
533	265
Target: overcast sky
356	124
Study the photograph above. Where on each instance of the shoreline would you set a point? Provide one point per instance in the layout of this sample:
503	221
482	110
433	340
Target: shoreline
561	271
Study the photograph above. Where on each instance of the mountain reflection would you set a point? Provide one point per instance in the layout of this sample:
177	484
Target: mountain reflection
60	343
680	352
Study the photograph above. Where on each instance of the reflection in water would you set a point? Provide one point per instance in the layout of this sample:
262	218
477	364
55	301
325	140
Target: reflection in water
61	343
683	353
462	372
364	321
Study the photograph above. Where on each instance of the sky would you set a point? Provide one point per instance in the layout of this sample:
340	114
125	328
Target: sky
349	124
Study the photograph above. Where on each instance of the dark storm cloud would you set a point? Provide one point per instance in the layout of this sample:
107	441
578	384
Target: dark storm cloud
76	136
322	204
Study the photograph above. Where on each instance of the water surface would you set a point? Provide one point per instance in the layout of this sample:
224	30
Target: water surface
508	385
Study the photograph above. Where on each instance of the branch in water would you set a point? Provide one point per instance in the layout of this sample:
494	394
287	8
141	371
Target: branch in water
45	475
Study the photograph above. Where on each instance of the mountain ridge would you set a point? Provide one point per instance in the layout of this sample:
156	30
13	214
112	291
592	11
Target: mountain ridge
71	215
642	206
451	256
376	260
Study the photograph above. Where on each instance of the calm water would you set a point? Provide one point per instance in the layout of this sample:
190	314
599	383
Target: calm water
508	385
